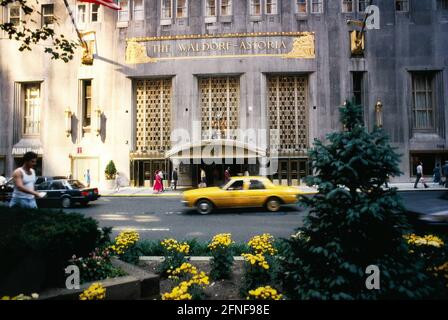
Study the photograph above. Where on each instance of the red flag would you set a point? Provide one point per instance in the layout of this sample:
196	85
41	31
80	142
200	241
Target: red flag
108	3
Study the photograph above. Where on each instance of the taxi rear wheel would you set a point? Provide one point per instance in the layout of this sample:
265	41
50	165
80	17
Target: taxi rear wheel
204	206
273	204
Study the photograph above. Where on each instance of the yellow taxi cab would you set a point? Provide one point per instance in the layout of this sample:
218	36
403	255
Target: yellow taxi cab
244	191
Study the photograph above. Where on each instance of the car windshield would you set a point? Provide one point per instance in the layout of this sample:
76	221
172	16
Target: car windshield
75	184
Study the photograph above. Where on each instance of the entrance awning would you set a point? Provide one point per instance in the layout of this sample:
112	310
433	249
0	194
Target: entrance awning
215	149
25	145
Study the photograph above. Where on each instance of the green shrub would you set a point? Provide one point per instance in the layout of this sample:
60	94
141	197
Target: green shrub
35	246
353	222
110	171
222	257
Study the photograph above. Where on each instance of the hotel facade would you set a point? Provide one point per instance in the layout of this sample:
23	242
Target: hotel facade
219	83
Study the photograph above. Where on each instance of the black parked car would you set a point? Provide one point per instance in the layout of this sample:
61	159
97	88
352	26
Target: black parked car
42	179
66	193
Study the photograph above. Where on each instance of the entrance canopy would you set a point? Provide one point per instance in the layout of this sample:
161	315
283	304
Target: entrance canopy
215	149
25	145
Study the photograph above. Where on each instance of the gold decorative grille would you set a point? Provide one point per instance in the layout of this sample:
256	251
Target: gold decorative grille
287	105
153	116
219	99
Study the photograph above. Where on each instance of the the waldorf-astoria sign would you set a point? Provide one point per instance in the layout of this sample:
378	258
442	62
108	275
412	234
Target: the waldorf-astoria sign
287	45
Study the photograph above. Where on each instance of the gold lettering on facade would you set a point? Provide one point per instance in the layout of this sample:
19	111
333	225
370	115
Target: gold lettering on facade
300	45
303	47
136	53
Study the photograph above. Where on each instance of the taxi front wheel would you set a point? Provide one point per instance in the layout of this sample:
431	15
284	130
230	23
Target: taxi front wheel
204	206
273	204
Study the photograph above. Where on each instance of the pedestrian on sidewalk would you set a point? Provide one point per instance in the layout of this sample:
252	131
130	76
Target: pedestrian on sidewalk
420	176
117	181
161	179
174	177
157	183
437	175
87	178
203	183
24	177
227	175
445	173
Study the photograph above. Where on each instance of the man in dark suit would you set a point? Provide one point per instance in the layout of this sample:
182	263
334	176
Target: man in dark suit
175	178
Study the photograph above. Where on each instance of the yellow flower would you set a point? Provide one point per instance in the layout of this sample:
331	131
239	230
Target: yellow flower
124	241
222	240
264	293
263	244
173	245
256	259
94	292
427	240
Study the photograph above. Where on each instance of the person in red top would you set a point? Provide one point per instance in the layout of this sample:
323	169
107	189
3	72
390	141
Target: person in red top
157	183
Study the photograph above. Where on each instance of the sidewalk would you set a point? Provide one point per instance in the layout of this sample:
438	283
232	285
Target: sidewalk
148	192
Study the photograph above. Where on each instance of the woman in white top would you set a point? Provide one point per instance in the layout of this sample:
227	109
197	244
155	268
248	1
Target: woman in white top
24	177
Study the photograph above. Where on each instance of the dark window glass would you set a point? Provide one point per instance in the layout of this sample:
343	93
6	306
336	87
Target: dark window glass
357	87
256	185
57	185
237	185
87	102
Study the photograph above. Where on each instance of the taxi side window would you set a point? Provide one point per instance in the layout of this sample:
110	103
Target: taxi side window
256	185
237	185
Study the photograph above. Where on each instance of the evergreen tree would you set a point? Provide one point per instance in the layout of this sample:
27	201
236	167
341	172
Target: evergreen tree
111	170
353	222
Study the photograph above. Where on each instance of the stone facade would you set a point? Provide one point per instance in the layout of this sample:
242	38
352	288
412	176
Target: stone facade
407	45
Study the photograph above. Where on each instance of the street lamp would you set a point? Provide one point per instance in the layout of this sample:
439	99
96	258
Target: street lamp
68	121
379	113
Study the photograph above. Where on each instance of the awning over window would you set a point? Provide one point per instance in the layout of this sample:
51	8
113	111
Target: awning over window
25	145
215	149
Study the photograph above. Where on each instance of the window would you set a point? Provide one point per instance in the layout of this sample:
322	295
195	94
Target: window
14	15
357	83
362	5
256	185
237	185
255	7
167	9
182	9
42	186
31	118
442	4
139	10
316	6
82	11
86	102
271	6
123	14
347	6
402	5
95	13
423	100
47	14
57	185
210	8
301	6
226	7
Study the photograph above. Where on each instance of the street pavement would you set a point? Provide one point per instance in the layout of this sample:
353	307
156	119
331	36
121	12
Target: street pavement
161	217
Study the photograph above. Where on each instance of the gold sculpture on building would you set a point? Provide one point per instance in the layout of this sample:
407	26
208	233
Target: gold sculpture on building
136	53
303	47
